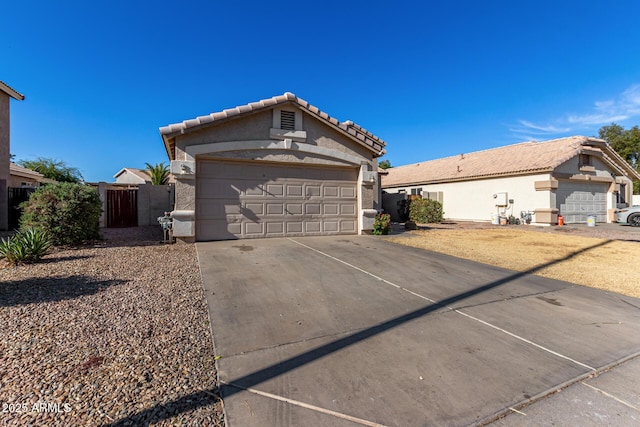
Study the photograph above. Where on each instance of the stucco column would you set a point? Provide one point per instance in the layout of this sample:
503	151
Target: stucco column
367	186
184	214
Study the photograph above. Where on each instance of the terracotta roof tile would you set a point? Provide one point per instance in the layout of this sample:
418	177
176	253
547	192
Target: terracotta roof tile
360	134
526	157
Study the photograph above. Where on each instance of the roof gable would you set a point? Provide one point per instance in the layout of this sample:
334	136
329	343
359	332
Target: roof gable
138	173
348	128
518	159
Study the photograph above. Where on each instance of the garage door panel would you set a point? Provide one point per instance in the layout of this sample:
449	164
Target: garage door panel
253	229
275	228
244	199
294	190
331	226
294	208
348	192
348	226
275	190
275	209
312	208
312	226
294	227
347	209
253	209
312	191
331	209
330	191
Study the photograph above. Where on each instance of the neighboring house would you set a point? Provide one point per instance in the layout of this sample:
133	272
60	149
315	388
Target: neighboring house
136	176
23	177
6	93
276	167
575	177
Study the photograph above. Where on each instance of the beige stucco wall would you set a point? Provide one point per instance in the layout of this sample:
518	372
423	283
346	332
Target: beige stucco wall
4	159
473	200
17	181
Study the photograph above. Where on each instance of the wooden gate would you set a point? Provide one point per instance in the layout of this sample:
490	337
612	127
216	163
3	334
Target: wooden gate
17	195
122	208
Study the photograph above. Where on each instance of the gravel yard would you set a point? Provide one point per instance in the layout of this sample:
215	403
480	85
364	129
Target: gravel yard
114	333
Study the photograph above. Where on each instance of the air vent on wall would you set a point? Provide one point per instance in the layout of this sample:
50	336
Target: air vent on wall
287	120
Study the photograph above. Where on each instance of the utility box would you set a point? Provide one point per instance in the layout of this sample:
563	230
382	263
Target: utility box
501	199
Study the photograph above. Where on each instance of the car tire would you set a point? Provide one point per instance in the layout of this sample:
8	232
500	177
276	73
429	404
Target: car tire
634	220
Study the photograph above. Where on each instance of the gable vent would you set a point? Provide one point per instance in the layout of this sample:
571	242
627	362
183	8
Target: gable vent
287	120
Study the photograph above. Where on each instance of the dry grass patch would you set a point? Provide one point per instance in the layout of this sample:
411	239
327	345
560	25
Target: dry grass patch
604	264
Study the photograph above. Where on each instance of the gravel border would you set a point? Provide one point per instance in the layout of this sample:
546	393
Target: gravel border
114	333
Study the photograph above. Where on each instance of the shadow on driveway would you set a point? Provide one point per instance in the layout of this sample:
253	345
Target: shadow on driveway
189	402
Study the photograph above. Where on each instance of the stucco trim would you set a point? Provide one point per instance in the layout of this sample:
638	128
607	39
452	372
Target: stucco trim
550	184
219	147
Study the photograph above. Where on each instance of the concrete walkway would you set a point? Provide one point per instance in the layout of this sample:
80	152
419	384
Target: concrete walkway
354	330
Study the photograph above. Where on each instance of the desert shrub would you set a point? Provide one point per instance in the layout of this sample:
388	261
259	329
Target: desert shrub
382	224
27	245
425	211
69	212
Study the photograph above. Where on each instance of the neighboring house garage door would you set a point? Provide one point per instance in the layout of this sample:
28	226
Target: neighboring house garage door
250	200
577	200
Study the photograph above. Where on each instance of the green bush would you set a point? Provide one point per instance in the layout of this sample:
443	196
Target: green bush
69	212
425	211
382	224
27	245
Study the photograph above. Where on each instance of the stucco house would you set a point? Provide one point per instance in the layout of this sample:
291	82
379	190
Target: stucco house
6	93
135	176
272	168
23	177
576	177
132	176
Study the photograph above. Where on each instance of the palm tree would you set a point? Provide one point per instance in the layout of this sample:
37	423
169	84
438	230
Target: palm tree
159	173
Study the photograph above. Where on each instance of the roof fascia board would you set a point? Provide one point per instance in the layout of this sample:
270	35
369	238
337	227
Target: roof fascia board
11	92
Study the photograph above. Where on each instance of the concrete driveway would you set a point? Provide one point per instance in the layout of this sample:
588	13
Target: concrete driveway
354	330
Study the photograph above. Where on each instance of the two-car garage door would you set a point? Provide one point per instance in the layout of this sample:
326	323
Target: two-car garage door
252	199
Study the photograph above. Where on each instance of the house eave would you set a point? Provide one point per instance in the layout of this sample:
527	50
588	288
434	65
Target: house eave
347	128
11	92
467	178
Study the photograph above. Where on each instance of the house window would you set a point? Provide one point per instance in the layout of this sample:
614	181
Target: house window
621	196
416	191
287	120
585	160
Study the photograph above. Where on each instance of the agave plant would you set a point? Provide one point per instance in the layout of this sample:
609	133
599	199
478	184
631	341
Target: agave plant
26	246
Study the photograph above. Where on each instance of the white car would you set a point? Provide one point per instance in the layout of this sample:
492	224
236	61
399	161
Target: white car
630	215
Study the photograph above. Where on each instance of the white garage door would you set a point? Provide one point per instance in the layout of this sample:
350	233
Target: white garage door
577	200
251	200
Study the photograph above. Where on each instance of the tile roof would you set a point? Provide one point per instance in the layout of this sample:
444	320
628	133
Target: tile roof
518	159
10	91
357	133
18	170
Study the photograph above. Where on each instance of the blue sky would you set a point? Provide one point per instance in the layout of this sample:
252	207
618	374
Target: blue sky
431	78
